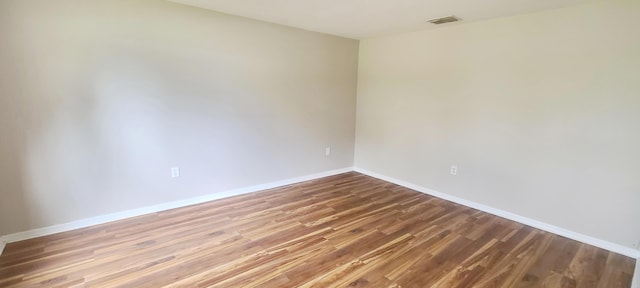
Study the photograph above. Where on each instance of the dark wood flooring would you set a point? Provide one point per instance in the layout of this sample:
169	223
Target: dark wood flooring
348	230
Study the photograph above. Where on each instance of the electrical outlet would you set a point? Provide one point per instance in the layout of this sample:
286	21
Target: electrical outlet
175	172
327	151
454	170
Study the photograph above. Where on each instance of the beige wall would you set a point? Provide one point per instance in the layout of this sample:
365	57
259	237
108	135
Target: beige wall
540	112
98	99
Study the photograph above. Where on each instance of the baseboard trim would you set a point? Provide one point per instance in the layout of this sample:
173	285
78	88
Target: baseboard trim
83	223
627	251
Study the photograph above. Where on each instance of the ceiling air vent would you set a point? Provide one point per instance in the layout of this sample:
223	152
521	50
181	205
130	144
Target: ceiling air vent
443	20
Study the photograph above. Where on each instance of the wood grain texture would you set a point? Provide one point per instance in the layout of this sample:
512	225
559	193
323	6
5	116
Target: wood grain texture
348	230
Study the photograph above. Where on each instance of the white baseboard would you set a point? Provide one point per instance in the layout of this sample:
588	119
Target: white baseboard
157	208
627	251
620	249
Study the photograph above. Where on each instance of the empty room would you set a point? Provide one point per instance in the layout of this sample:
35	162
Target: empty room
320	143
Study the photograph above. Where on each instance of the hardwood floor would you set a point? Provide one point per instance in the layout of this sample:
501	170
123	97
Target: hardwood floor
348	230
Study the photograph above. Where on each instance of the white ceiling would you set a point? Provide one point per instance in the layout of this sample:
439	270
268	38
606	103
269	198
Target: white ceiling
370	18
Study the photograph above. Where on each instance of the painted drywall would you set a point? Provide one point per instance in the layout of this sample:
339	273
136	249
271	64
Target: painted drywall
99	99
540	113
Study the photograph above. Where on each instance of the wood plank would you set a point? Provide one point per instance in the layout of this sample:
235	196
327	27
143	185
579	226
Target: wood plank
347	230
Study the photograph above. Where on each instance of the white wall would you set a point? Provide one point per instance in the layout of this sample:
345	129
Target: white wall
98	99
540	112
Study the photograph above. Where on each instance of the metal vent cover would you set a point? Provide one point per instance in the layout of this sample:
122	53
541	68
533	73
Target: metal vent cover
442	20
